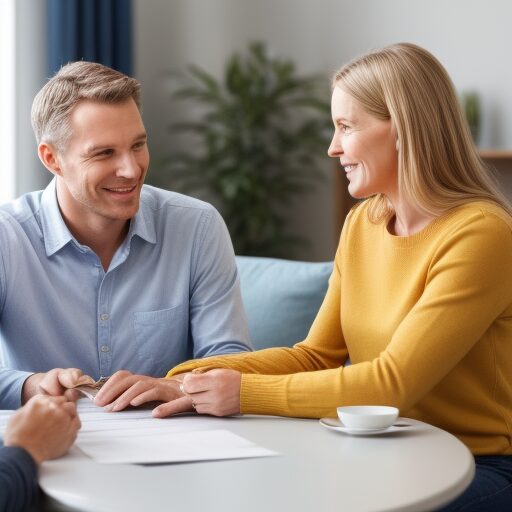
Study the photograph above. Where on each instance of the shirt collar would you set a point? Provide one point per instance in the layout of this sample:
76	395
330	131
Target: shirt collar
56	234
143	224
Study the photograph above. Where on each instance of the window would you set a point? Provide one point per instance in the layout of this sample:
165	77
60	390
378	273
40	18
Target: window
7	100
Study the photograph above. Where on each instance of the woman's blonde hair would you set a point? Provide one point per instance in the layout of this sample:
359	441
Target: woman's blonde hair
438	165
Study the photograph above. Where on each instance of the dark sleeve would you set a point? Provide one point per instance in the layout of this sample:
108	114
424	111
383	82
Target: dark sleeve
18	479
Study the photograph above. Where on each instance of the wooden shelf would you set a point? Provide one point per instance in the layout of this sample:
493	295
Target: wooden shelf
495	154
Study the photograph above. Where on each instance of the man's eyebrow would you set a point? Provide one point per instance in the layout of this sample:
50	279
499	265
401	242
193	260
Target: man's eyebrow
99	147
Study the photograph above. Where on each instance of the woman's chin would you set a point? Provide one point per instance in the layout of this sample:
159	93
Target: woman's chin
356	192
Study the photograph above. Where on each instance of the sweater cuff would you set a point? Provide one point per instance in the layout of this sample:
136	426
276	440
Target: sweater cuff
263	394
17	454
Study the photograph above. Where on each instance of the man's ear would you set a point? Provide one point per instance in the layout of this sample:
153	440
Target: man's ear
49	158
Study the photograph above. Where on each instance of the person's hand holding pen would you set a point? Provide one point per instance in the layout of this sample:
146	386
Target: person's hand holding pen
216	392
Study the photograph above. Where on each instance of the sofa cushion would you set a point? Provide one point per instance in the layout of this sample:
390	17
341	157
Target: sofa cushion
281	298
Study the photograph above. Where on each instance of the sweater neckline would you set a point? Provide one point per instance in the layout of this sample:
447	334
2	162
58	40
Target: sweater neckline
420	236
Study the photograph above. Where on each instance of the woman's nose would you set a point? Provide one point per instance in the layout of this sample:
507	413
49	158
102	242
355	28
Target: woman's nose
335	149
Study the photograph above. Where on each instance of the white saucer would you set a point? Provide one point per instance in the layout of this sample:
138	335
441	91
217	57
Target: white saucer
335	424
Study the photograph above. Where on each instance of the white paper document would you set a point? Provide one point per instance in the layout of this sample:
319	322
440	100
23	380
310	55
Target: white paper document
161	447
135	437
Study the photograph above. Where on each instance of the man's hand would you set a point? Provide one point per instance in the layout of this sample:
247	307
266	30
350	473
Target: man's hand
125	388
55	383
46	427
216	392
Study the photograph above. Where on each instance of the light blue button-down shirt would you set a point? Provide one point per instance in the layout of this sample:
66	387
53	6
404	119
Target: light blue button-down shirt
171	291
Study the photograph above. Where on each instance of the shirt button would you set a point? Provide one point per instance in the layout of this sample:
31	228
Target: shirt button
104	316
104	348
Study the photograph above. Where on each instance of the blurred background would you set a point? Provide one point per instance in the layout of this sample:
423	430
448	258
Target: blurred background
154	40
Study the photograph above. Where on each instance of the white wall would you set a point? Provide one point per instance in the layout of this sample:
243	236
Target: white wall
31	71
7	106
472	39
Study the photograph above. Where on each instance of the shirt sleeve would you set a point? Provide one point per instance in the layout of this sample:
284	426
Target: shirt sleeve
324	346
11	381
18	479
217	315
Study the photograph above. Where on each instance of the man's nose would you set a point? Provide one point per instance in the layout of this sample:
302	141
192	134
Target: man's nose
128	167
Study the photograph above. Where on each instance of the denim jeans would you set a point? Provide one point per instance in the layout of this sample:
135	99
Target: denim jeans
490	490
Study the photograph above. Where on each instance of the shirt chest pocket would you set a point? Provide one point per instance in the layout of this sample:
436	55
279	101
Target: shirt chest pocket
161	338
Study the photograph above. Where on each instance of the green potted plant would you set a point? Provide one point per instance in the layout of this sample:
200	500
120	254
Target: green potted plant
471	105
254	147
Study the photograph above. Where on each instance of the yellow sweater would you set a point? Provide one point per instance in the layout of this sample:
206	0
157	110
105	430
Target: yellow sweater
426	319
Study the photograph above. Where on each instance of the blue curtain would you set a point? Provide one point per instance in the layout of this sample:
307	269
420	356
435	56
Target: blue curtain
92	30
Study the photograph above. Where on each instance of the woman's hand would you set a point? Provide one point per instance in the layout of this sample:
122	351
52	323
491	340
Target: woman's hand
216	392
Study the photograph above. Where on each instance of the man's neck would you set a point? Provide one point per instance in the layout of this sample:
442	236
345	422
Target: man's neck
101	234
103	240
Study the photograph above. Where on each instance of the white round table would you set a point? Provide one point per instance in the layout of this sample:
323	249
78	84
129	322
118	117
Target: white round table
419	469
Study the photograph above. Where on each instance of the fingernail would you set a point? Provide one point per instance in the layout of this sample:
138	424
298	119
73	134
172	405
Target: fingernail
109	407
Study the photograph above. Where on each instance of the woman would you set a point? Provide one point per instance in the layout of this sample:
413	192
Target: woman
421	292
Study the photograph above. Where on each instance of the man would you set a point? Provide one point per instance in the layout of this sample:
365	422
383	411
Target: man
99	273
43	429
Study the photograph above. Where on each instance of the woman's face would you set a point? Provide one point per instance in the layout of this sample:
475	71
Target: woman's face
366	147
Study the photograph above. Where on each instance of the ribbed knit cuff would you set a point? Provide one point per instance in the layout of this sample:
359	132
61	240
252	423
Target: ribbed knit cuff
263	394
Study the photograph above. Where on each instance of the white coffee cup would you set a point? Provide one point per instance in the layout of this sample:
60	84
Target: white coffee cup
367	417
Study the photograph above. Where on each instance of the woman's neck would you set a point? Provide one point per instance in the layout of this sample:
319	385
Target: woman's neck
407	220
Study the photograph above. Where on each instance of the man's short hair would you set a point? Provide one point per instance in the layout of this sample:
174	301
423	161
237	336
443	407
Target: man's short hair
74	82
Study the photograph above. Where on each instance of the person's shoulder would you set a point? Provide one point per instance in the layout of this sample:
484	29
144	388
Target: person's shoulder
481	213
20	210
358	215
161	199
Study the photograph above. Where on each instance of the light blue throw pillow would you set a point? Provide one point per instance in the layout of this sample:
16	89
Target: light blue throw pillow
281	298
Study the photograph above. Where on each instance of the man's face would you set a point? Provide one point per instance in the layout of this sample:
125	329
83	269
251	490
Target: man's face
103	167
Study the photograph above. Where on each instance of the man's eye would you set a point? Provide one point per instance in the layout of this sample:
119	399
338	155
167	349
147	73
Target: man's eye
139	145
105	152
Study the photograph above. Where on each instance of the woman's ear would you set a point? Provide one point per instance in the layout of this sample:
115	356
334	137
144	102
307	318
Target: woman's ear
49	158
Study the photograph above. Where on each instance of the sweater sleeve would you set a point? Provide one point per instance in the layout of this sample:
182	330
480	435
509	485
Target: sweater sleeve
468	292
324	347
18	479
